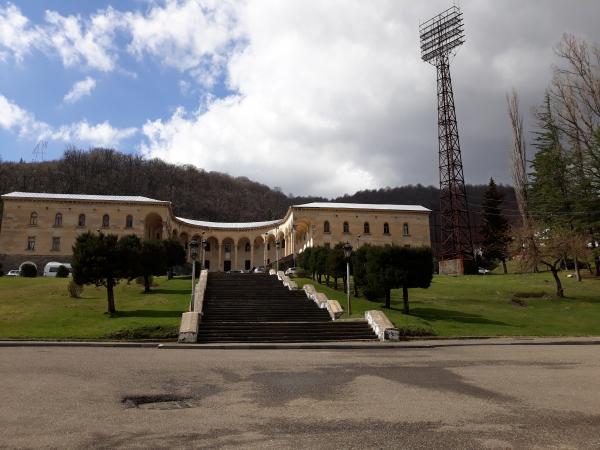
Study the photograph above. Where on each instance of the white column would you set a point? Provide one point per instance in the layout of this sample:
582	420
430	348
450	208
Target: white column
219	250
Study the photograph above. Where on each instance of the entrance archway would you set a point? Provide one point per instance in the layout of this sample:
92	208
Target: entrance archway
153	226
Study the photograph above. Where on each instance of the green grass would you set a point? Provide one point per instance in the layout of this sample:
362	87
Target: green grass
483	306
40	308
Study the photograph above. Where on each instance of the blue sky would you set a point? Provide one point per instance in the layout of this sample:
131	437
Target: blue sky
315	97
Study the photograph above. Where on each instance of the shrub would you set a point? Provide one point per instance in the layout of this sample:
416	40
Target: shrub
373	294
74	289
62	272
28	270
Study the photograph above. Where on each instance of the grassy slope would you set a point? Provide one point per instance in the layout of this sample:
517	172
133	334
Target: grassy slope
481	305
41	308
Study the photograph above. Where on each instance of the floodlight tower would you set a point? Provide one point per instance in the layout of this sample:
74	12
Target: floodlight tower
440	37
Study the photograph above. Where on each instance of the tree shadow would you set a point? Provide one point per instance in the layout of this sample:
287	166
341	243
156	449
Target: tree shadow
146	313
169	291
435	314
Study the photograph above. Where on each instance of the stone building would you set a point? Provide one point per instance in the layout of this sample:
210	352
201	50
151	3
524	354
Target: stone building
40	227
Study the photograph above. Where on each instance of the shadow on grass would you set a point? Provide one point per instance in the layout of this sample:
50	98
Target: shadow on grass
448	315
146	313
170	291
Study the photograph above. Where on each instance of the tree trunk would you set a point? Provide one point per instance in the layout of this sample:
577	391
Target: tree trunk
597	262
110	295
577	273
170	274
327	280
146	284
504	266
406	309
335	283
388	301
345	283
559	289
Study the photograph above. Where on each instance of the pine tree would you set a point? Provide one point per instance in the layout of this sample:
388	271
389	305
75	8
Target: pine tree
494	227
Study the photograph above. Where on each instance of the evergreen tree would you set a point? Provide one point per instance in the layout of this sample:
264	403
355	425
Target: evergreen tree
153	261
494	228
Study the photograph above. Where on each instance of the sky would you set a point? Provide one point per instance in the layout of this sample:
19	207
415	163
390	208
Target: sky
314	97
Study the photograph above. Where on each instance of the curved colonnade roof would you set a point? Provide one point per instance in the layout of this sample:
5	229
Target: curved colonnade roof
207	224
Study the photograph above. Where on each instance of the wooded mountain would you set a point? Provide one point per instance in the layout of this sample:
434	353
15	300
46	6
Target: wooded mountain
196	193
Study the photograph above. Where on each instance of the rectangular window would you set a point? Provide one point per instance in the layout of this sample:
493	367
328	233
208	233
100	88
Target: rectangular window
31	243
55	244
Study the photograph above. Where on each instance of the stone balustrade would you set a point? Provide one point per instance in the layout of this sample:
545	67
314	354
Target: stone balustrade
382	326
190	321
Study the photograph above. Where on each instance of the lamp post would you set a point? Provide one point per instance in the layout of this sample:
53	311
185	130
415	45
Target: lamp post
348	254
277	246
194	256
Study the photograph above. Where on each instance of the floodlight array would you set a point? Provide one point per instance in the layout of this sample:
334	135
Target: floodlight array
441	34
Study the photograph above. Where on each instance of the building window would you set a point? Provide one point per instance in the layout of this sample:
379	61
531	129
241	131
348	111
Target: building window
386	228
366	228
207	247
55	244
129	221
247	247
33	218
105	221
326	227
31	243
346	227
405	230
268	246
58	220
81	220
227	248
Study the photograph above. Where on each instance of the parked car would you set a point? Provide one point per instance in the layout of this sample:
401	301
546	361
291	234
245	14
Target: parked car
236	271
259	269
483	271
290	271
14	273
51	268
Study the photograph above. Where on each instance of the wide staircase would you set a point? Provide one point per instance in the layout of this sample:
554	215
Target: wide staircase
258	308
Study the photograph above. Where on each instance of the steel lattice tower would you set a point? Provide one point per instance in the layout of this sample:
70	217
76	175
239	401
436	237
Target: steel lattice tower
440	37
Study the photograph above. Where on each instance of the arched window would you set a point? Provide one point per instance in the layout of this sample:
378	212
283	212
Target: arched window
33	218
105	221
405	230
346	227
367	228
58	220
247	247
326	227
81	220
129	221
386	228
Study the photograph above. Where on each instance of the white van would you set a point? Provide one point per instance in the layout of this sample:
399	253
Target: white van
51	268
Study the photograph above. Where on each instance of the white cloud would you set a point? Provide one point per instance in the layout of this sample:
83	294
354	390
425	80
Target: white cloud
80	89
102	134
17	35
188	35
24	123
78	41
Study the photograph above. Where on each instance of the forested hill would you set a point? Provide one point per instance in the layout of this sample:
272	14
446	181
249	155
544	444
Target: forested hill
195	193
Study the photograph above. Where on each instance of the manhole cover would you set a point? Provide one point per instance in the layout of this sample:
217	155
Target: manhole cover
159	401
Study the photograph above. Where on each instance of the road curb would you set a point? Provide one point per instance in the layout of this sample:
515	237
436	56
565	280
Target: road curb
409	344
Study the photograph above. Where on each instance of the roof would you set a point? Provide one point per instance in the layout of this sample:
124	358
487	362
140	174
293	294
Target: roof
369	206
228	225
86	197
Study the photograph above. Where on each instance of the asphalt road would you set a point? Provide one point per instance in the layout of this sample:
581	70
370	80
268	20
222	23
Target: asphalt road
454	397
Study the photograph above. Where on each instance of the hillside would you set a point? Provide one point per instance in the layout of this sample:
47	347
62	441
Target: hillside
196	193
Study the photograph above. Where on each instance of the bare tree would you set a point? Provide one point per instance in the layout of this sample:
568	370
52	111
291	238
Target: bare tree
518	156
537	245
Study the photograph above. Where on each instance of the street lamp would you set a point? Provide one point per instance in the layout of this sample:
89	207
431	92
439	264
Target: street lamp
348	254
194	256
277	247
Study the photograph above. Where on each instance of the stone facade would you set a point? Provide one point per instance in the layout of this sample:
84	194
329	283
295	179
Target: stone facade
43	227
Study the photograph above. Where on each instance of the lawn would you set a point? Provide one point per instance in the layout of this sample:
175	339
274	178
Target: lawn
40	308
483	306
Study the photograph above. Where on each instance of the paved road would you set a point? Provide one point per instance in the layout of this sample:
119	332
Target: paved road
454	397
